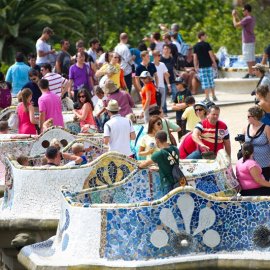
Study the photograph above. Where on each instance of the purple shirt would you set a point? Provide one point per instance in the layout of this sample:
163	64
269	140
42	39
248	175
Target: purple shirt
51	104
80	76
125	101
248	25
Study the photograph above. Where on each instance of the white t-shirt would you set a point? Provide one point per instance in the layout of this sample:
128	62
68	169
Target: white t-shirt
118	129
44	47
55	82
159	46
101	59
161	69
177	44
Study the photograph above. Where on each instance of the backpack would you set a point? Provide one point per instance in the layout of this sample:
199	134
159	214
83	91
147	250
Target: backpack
178	176
180	62
5	96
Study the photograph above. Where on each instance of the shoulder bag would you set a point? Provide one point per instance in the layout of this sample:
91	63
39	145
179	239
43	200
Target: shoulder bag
172	139
14	120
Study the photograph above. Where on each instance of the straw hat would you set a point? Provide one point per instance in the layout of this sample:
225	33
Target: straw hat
109	87
113	106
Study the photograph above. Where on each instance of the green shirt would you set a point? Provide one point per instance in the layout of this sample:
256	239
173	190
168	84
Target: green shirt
165	168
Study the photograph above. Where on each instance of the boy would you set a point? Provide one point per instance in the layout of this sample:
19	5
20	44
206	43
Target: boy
189	114
78	151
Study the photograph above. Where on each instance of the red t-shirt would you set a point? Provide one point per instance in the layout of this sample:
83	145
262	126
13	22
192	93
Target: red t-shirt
149	87
187	146
208	134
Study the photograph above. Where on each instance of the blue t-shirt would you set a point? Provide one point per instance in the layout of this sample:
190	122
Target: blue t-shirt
137	53
35	90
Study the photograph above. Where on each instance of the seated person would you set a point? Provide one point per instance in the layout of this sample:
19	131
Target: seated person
47	124
23	160
78	151
249	174
5	135
53	156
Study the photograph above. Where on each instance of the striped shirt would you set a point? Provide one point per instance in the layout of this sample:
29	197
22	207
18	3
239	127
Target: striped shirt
55	82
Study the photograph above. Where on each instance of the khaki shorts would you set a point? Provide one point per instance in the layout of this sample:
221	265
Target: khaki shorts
248	50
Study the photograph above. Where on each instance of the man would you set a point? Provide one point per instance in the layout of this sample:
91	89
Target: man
94	44
204	62
127	59
118	131
145	65
259	71
63	59
174	50
162	158
248	36
168	60
204	135
266	55
53	156
174	29
163	74
18	74
49	106
155	38
32	59
57	84
43	49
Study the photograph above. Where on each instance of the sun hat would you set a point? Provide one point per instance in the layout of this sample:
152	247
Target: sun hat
109	87
113	106
200	103
259	66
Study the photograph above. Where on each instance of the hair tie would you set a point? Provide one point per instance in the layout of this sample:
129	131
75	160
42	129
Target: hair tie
246	152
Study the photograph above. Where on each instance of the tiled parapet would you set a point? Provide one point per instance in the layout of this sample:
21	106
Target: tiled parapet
184	223
4	114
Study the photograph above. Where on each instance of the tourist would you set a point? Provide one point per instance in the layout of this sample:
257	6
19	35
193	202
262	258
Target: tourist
124	100
94	45
43	49
118	131
205	136
5	92
155	38
163	159
53	156
23	160
148	143
49	106
173	47
259	135
263	96
179	104
148	95
85	110
249	174
18	74
259	71
78	151
266	55
248	36
63	59
26	114
47	124
32	61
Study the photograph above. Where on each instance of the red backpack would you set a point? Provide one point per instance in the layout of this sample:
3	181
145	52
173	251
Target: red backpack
5	96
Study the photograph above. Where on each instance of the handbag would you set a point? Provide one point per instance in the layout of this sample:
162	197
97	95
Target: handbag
14	120
172	139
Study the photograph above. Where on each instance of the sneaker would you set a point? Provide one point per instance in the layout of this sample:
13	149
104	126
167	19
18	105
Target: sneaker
206	100
214	98
246	76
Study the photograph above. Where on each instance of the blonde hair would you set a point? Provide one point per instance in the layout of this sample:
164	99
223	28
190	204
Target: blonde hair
26	93
54	142
22	159
77	147
132	117
44	161
48	123
144	53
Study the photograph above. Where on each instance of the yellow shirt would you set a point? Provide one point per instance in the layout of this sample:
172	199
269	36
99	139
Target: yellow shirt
116	77
148	141
192	118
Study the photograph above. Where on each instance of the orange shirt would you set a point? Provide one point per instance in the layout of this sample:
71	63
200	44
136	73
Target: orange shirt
149	87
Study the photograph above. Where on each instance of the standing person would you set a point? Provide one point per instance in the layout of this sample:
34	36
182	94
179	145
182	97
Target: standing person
49	106
80	76
163	159
168	60
263	96
174	37
127	59
118	131
63	58
163	74
5	92
32	61
43	49
145	65
204	62
204	135
179	104
173	47
18	74
248	36
26	114
155	38
94	45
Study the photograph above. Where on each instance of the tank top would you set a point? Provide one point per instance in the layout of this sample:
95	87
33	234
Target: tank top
26	127
89	118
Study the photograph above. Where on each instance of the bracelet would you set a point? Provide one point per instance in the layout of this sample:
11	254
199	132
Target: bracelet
168	85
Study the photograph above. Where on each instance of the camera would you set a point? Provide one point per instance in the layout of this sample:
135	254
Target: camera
240	138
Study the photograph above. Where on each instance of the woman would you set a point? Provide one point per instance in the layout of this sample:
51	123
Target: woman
5	92
249	174
148	95
148	143
26	114
114	76
125	101
259	135
188	146
263	95
85	111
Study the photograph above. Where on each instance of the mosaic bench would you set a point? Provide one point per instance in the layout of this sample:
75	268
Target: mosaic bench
185	229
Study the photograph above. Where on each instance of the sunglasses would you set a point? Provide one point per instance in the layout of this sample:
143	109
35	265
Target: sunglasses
116	57
198	110
33	79
82	96
159	123
249	116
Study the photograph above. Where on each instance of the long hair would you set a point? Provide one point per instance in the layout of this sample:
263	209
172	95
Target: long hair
26	93
153	119
247	150
87	98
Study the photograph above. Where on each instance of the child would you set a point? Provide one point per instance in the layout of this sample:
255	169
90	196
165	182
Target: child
47	124
189	114
23	160
78	151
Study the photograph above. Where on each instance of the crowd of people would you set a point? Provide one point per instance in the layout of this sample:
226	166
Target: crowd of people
97	86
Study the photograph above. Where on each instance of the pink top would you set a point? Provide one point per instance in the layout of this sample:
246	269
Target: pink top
89	119
51	104
244	176
26	127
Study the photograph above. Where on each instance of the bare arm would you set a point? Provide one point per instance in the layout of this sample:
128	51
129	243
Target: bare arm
227	144
77	159
85	110
145	163
142	152
236	14
167	80
156	79
106	140
137	80
255	173
42	54
32	115
70	87
178	106
196	64
100	73
213	59
42	116
267	133
163	27
265	56
133	136
58	67
196	138
65	88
